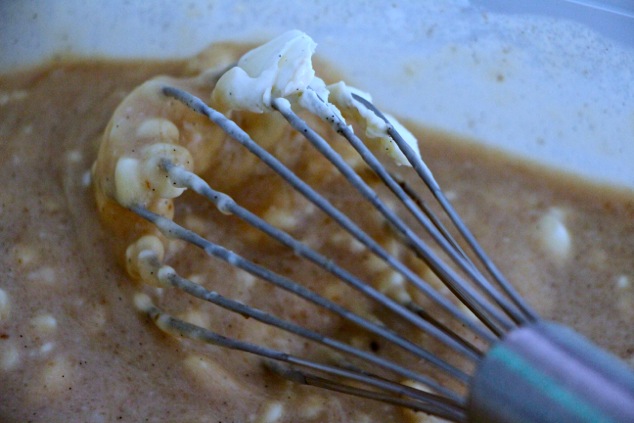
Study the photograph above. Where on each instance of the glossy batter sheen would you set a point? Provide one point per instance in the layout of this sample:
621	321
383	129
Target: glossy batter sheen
73	346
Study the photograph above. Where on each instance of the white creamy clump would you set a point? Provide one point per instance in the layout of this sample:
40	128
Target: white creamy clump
553	235
282	68
138	181
279	68
375	127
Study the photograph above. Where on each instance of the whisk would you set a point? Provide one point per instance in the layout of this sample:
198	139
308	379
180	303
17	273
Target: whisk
521	368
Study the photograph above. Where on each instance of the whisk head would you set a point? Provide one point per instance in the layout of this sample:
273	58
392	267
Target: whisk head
436	298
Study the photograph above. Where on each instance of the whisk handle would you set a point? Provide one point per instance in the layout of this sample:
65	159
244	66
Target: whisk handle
545	372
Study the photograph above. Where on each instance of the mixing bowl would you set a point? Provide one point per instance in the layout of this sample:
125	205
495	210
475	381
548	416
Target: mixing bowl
547	80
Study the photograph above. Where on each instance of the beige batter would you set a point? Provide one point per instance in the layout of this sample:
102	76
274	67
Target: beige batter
73	347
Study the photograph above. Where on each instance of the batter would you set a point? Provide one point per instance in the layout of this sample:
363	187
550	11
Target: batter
74	347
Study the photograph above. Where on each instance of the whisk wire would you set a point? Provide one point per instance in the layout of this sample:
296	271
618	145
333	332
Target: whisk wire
171	229
440	237
490	316
225	203
192	181
527	313
236	133
385	390
426	209
410	398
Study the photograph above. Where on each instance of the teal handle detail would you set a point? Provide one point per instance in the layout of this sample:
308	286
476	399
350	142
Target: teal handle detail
545	372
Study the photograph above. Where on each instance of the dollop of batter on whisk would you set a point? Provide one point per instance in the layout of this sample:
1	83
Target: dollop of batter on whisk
147	129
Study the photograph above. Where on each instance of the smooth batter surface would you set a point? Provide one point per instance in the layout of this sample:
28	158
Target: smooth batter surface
74	348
